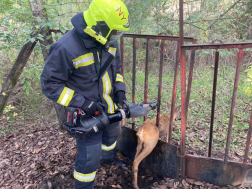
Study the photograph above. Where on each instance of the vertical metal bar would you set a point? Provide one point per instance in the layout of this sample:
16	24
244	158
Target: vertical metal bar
183	111
189	86
169	134
122	55
160	81
248	143
146	74
236	83
134	78
183	89
213	102
122	60
181	22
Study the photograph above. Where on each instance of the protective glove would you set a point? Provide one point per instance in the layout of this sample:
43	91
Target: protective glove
120	97
89	107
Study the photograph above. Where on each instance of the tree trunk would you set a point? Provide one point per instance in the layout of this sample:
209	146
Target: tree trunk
37	12
14	74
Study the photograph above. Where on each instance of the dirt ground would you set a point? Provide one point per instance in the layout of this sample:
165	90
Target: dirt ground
44	159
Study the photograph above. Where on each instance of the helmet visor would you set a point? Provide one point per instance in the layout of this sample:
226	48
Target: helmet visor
115	34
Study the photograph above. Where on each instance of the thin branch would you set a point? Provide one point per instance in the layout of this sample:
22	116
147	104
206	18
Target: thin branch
224	14
196	27
191	23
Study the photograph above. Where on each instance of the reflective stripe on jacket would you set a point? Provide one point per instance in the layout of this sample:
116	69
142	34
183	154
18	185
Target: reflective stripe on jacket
69	75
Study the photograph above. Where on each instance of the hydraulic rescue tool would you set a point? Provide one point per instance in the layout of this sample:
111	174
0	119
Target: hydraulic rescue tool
78	124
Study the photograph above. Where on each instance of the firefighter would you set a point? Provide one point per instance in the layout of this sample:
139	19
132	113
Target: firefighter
74	76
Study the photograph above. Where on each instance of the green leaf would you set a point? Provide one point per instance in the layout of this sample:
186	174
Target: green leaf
22	81
27	91
40	38
32	40
11	27
62	29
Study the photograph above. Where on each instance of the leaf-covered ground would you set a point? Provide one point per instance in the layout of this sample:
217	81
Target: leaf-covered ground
44	158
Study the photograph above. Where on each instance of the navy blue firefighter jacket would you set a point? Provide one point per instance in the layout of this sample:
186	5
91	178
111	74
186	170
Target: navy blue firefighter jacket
70	75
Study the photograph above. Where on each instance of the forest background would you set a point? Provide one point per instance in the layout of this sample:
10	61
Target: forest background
205	20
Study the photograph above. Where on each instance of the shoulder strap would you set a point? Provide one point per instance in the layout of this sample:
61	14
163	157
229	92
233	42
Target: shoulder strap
106	65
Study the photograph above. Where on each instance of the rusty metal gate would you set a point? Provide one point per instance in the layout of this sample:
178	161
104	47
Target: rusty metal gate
166	159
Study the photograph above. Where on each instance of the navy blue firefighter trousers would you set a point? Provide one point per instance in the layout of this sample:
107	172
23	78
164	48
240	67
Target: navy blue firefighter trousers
91	150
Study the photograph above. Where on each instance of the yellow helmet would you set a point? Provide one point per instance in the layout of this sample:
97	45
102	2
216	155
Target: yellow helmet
105	16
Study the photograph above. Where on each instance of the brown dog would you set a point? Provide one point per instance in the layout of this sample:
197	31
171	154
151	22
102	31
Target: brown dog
148	135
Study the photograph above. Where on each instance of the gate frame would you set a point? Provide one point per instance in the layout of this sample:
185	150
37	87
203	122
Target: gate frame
211	170
185	97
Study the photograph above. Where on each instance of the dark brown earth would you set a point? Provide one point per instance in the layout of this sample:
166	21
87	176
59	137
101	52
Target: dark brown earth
44	159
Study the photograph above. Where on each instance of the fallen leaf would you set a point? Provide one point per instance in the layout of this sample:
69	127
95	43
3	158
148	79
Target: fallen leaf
185	183
118	186
162	187
239	153
150	179
114	186
49	184
198	183
250	157
36	150
54	173
175	185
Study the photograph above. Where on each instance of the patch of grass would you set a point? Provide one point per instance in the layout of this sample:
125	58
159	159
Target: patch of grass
30	107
